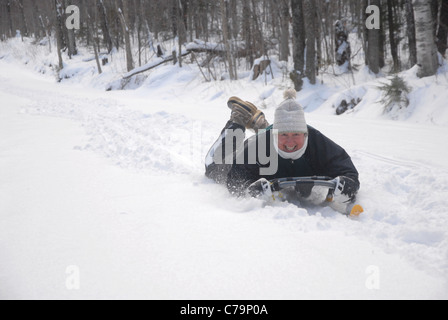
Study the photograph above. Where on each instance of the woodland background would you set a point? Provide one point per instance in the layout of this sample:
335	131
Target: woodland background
237	33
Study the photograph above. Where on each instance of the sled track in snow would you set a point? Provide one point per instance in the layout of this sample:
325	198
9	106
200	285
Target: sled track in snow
161	142
406	204
388	160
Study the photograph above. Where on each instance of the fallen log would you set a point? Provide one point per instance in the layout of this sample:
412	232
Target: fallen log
196	47
153	64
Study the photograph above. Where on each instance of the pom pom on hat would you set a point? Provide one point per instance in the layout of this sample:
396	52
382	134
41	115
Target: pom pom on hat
289	116
290	94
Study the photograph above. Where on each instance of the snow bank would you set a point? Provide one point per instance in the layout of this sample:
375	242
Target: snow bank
426	99
334	85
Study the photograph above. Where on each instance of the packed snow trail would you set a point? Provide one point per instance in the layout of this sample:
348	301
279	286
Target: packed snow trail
109	187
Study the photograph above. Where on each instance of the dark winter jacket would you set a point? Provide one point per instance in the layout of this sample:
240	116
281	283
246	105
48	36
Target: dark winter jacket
323	157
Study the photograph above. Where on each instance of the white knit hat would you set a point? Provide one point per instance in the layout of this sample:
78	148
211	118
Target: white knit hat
289	116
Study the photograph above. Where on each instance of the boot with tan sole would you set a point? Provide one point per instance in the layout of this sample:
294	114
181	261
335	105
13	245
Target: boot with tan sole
246	114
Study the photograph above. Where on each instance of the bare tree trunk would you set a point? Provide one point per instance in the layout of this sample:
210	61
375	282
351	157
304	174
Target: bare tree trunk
139	22
71	39
204	6
411	33
71	43
258	35
247	33
226	39
426	46
8	15
97	59
24	27
104	25
284	23
382	35
181	29
373	45
392	31
442	34
95	42
234	16
318	40
46	32
39	27
126	32
2	18
174	16
310	31
298	43
59	41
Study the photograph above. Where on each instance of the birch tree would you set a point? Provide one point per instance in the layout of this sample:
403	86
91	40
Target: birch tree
426	45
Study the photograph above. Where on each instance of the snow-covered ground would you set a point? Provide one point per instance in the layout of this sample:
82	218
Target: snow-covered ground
102	194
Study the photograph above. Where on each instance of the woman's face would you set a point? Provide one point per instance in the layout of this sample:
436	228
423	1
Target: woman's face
291	142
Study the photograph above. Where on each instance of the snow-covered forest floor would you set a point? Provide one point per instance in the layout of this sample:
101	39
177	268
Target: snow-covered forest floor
102	193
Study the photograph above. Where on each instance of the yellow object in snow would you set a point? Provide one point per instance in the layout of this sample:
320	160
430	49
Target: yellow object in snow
356	211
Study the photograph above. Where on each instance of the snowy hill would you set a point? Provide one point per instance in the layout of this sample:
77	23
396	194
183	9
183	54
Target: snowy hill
102	193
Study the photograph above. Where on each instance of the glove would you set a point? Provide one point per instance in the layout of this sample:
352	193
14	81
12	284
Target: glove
260	189
346	190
